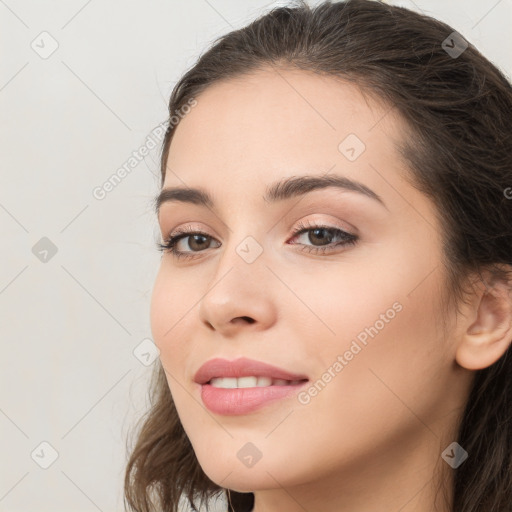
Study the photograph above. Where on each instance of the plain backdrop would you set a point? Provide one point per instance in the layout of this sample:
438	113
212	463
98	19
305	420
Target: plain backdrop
82	86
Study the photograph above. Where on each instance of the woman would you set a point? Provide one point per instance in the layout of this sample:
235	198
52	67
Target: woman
333	308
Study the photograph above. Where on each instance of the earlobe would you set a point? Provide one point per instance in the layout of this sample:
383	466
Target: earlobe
489	336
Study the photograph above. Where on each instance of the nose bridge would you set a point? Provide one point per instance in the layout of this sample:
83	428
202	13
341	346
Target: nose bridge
244	245
241	263
238	287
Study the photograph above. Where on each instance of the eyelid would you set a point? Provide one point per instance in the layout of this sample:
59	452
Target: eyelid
332	220
191	228
318	222
311	222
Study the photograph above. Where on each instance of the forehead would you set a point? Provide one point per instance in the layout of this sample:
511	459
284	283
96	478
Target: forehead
285	102
280	122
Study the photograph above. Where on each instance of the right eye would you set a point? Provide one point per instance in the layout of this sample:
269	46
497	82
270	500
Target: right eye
196	238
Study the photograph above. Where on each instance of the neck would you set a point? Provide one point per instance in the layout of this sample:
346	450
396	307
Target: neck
414	478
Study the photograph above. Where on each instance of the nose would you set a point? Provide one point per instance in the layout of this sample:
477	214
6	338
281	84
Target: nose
239	296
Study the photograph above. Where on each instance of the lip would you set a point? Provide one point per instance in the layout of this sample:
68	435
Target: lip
242	367
238	401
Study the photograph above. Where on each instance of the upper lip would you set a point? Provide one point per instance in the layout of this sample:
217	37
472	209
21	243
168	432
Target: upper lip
242	367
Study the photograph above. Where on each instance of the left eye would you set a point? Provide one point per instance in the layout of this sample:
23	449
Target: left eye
318	235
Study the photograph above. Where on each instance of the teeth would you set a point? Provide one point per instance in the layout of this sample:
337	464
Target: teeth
260	382
249	382
246	382
227	382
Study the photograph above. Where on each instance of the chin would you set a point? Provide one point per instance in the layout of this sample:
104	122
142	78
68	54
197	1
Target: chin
237	477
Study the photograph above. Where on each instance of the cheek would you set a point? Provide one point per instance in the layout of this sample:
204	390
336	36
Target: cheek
169	313
159	310
383	320
393	383
398	361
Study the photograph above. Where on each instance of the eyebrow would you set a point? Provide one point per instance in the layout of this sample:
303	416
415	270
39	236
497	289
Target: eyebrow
278	191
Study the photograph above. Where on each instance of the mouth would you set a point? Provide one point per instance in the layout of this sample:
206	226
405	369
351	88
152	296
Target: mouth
245	373
244	385
230	396
251	382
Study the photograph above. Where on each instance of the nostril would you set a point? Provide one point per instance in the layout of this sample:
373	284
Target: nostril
248	318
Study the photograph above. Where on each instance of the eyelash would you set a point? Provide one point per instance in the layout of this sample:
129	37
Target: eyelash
348	239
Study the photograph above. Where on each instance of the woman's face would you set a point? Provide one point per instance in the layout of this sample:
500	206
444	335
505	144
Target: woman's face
360	320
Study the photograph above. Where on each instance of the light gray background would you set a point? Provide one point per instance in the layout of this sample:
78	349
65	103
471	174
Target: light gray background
69	325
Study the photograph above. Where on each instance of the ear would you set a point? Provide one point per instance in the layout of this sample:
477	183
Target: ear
487	331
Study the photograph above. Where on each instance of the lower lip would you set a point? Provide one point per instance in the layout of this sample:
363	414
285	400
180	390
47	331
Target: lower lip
244	400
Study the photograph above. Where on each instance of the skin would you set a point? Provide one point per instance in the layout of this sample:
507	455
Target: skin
372	438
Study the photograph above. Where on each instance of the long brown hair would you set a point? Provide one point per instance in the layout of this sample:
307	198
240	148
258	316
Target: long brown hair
458	106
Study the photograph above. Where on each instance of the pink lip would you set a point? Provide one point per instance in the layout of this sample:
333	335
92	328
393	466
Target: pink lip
242	367
243	400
